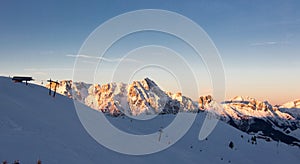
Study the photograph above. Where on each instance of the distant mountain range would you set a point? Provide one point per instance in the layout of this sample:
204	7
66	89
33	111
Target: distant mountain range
278	123
35	126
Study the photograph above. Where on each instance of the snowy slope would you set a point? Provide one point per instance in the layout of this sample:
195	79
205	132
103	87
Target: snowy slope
254	116
145	98
292	107
34	125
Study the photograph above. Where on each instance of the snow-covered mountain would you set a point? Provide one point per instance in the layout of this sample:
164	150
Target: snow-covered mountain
35	126
146	97
260	117
140	97
76	90
291	108
292	104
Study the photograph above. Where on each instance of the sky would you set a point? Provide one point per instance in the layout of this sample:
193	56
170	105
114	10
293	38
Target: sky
258	42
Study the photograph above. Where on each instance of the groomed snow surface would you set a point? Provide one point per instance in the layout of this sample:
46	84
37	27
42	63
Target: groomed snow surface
35	126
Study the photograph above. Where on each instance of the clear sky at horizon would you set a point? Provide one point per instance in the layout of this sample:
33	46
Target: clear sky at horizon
257	40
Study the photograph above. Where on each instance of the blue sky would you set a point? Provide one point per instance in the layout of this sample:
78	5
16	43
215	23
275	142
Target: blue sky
257	40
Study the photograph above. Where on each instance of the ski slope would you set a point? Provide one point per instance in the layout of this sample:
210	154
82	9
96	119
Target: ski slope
34	126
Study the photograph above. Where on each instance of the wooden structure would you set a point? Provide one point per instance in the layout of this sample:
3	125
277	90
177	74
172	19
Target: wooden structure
19	79
50	86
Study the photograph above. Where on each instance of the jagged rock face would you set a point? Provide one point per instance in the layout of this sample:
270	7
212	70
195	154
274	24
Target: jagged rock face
103	99
247	103
140	97
291	104
186	104
253	116
145	97
76	90
243	108
204	102
292	108
137	98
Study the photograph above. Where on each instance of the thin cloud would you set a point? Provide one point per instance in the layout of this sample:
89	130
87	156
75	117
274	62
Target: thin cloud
101	58
89	62
82	56
48	69
264	43
40	73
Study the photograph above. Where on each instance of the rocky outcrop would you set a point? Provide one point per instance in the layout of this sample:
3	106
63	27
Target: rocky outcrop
139	97
146	98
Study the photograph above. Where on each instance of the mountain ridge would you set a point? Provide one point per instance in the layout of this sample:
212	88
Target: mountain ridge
81	90
146	98
35	126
